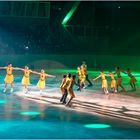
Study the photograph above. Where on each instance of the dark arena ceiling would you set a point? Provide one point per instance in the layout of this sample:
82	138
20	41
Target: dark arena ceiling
94	27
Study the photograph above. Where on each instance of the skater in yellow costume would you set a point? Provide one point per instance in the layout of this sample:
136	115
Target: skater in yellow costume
61	86
9	76
42	79
84	67
119	80
65	87
26	77
70	89
81	78
132	79
113	82
104	81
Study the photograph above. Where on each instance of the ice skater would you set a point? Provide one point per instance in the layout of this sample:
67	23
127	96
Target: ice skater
119	79
81	78
42	80
26	77
61	86
84	67
132	79
70	89
104	81
65	86
113	82
9	79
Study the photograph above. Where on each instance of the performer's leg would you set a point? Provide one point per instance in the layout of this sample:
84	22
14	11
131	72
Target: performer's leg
122	87
62	98
68	103
72	95
26	88
117	87
11	84
41	91
131	84
82	84
114	90
106	90
79	86
65	97
5	87
103	90
134	86
90	84
62	90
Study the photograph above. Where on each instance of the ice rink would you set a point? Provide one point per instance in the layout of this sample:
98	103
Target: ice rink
43	116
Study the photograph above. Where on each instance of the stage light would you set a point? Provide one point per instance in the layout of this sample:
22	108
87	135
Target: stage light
70	13
3	101
30	113
97	126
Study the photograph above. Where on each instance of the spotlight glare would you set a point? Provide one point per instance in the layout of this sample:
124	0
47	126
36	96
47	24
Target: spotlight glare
97	126
3	101
30	113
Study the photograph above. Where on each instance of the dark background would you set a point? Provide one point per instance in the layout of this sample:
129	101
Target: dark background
98	28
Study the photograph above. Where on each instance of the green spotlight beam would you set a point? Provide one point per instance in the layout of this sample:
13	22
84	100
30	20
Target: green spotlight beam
70	13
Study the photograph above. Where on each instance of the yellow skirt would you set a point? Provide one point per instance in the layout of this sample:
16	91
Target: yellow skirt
133	80
41	84
25	80
119	81
9	79
113	83
104	83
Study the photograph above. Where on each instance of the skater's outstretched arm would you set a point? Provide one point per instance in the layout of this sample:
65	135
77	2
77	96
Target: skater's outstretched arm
16	68
48	75
51	76
35	72
107	74
3	67
124	72
96	78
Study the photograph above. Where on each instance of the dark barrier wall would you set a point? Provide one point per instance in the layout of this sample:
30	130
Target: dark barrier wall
98	62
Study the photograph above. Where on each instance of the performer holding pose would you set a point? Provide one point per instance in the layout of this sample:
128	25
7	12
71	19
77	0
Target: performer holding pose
132	79
42	79
9	76
104	81
84	67
70	89
26	77
113	82
81	78
119	80
63	82
65	86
